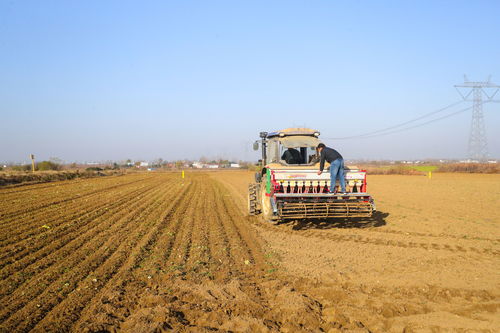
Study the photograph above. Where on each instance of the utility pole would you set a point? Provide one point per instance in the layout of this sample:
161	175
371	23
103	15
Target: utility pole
478	145
32	157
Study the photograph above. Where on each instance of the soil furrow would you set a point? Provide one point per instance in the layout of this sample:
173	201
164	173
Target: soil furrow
118	241
74	257
243	237
132	256
89	214
112	307
71	243
18	225
41	205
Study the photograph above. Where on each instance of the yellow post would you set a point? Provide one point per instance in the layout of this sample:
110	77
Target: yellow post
32	162
430	174
182	174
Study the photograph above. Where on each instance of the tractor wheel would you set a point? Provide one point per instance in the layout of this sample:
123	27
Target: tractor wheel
253	206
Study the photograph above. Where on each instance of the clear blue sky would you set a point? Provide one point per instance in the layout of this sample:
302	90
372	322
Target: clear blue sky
109	80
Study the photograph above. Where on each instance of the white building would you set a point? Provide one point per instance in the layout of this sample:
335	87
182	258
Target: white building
197	165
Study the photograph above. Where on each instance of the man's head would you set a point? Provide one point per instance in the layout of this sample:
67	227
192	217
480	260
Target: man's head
320	147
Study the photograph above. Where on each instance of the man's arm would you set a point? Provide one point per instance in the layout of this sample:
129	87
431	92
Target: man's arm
322	160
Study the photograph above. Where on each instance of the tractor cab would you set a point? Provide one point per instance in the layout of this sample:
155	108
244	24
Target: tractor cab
290	147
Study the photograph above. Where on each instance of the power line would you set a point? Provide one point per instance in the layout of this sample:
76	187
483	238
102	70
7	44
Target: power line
368	134
406	128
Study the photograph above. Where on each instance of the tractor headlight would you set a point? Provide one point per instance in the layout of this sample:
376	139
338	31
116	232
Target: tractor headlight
316	134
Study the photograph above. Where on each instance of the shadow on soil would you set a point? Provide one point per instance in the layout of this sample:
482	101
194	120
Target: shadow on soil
377	220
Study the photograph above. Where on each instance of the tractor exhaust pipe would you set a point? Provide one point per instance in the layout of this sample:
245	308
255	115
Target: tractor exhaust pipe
263	136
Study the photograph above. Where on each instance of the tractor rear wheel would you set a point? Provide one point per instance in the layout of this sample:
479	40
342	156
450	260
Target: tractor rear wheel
253	203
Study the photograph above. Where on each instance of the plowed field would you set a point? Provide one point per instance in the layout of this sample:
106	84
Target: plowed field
154	252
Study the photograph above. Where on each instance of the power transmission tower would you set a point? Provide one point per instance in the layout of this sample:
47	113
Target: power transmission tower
478	145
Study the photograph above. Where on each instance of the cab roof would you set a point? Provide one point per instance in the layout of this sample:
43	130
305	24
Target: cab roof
294	131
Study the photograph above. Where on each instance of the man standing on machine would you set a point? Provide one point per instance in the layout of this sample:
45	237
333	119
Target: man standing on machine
336	165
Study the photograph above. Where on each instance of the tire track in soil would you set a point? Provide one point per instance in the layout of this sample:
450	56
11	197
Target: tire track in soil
375	241
422	234
397	243
130	257
51	252
88	214
85	260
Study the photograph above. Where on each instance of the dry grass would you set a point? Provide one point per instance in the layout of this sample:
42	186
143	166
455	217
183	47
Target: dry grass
391	170
470	168
21	177
424	169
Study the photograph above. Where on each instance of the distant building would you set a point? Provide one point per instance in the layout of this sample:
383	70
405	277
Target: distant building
212	166
234	165
143	164
197	165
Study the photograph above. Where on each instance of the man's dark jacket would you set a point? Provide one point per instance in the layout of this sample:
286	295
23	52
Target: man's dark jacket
329	155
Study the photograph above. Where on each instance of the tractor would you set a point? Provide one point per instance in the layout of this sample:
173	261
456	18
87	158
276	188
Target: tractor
287	185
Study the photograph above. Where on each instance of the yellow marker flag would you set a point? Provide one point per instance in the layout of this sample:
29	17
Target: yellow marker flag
430	174
182	174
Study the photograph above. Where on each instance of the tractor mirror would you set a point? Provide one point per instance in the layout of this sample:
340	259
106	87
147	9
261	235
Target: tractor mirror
255	146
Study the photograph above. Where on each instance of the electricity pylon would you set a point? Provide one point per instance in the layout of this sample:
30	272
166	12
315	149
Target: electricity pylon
478	145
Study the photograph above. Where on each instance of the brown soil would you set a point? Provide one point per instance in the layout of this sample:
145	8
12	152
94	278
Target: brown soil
427	261
154	252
